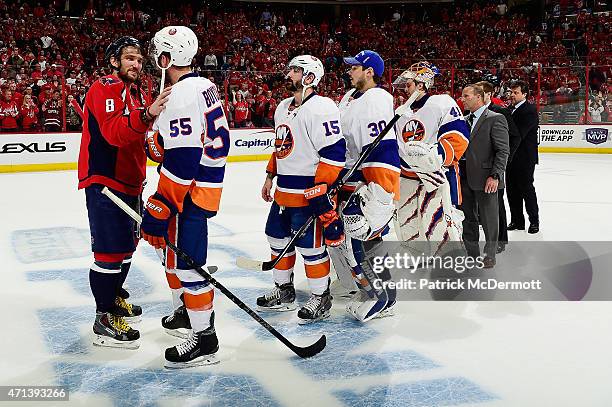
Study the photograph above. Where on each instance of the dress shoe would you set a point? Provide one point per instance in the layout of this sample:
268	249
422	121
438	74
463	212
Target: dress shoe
500	247
514	226
533	228
488	262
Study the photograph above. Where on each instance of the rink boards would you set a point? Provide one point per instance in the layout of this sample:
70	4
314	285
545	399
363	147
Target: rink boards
60	151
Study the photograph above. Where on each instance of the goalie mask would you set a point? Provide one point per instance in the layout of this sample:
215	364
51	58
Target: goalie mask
179	42
423	72
367	212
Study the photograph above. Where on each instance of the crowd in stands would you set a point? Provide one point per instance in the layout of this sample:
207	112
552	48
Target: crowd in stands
51	52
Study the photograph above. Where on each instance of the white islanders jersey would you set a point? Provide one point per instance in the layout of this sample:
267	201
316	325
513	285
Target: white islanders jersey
309	148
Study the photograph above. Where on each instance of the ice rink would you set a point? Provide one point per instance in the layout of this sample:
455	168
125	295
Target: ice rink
430	354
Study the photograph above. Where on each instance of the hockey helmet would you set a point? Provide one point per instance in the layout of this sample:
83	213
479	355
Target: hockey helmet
491	78
309	65
419	72
114	48
179	42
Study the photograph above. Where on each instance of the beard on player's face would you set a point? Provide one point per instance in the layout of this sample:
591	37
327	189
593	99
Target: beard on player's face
128	73
360	83
293	86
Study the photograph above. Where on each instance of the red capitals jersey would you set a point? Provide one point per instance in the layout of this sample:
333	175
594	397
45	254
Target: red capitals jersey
112	145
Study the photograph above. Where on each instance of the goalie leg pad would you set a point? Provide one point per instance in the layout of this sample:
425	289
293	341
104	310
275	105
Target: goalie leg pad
380	297
345	285
367	212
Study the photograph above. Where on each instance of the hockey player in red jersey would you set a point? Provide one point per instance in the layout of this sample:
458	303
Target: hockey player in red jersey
116	120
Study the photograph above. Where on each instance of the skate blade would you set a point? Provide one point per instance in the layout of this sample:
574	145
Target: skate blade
182	333
278	308
107	342
310	321
199	361
387	312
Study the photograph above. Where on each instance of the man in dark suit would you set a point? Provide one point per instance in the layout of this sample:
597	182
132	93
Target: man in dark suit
482	173
515	139
522	168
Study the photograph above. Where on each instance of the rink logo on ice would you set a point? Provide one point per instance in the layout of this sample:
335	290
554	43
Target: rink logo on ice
17	148
38	245
596	135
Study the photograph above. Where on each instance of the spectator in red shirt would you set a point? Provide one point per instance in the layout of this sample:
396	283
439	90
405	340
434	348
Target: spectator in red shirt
241	111
271	104
39	11
29	114
36	73
52	113
17	96
45	94
9	112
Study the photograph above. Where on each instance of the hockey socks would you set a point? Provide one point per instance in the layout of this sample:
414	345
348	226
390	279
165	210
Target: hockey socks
103	280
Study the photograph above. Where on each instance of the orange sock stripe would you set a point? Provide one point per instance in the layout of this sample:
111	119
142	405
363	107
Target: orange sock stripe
286	263
199	302
173	281
317	270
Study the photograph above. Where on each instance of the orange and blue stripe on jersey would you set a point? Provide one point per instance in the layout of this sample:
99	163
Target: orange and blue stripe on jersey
206	191
178	171
331	163
290	188
453	139
383	166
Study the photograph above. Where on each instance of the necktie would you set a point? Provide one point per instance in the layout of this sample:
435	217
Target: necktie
470	120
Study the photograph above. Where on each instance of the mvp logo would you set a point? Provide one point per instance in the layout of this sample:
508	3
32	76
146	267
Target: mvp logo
596	135
16	148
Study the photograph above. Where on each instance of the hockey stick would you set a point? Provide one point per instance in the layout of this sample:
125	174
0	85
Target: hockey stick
303	352
258	265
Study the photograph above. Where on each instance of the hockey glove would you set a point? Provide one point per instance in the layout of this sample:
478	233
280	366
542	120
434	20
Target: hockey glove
154	226
324	208
154	147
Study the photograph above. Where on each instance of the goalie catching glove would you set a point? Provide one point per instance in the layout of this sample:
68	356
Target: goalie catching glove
325	209
367	212
157	214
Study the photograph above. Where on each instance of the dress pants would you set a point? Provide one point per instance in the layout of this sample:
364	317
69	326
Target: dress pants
521	189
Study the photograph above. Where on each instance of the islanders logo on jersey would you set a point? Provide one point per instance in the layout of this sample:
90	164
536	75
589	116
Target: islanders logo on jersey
284	141
414	130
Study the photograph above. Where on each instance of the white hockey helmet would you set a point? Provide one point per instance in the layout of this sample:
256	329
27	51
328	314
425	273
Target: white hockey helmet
309	65
419	72
178	41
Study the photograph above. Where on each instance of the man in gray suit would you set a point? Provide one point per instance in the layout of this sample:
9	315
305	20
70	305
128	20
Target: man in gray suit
482	173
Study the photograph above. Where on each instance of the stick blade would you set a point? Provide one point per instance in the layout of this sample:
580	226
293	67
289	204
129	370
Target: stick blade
251	264
311	350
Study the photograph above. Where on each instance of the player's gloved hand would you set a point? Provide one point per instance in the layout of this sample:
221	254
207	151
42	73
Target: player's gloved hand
333	229
324	208
157	214
154	147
